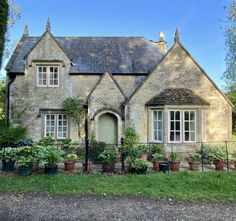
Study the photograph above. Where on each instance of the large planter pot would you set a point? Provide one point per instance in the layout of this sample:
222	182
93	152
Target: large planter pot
144	156
194	166
174	166
139	171
8	165
155	165
219	165
164	167
69	165
108	168
25	171
50	169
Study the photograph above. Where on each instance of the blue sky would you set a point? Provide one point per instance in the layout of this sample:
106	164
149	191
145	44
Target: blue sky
200	23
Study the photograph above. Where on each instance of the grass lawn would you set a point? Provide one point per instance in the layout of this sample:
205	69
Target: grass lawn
180	185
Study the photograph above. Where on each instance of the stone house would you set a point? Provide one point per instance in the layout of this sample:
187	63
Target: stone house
123	81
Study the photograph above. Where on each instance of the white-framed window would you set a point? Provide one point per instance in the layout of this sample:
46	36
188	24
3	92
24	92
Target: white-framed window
56	126
189	126
175	126
47	76
157	125
182	126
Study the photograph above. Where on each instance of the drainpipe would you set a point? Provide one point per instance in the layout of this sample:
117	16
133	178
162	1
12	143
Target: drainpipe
8	101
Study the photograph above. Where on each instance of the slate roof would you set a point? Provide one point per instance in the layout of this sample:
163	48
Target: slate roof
125	55
177	96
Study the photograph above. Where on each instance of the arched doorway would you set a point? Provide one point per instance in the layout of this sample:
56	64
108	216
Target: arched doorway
108	128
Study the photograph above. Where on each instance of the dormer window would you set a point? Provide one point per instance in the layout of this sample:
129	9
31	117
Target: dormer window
47	76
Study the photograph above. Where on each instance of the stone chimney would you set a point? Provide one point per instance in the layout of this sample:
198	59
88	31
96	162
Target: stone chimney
162	43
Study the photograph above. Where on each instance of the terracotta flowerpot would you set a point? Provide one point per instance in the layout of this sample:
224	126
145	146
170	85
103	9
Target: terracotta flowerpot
174	166
219	165
194	166
235	164
144	156
155	165
108	168
69	165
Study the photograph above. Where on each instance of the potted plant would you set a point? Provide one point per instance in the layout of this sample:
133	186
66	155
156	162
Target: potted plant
156	159
174	161
25	165
51	156
8	156
108	158
219	156
144	151
70	159
138	165
194	161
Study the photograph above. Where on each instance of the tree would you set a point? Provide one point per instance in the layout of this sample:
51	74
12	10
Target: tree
9	13
3	26
230	41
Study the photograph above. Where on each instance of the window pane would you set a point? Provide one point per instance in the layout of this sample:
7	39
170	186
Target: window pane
192	136
177	115
177	125
186	136
171	136
159	125
155	125
159	115
186	115
186	126
172	125
192	115
155	135
177	136
172	115
192	126
160	135
154	115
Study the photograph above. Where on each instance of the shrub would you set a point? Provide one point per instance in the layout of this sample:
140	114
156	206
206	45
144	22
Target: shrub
24	142
158	156
8	153
156	148
71	157
130	137
174	156
51	155
108	156
10	136
46	141
195	157
95	149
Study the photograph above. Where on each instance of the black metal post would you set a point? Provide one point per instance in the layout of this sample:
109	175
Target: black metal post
227	155
202	156
86	139
122	154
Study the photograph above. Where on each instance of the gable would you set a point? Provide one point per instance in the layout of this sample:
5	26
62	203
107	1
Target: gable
178	70
46	48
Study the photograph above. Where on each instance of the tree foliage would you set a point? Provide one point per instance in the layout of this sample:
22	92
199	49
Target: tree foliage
230	41
75	109
3	25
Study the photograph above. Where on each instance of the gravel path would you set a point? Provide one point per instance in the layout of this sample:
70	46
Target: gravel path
48	207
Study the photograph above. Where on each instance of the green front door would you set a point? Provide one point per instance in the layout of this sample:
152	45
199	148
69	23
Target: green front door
107	128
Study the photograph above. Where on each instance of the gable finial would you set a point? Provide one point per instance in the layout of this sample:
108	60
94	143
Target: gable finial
48	26
177	35
26	31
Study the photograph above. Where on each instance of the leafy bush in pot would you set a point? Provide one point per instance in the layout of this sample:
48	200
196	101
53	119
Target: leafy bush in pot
174	156
195	157
8	153
52	155
158	156
46	141
108	156
95	149
71	157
